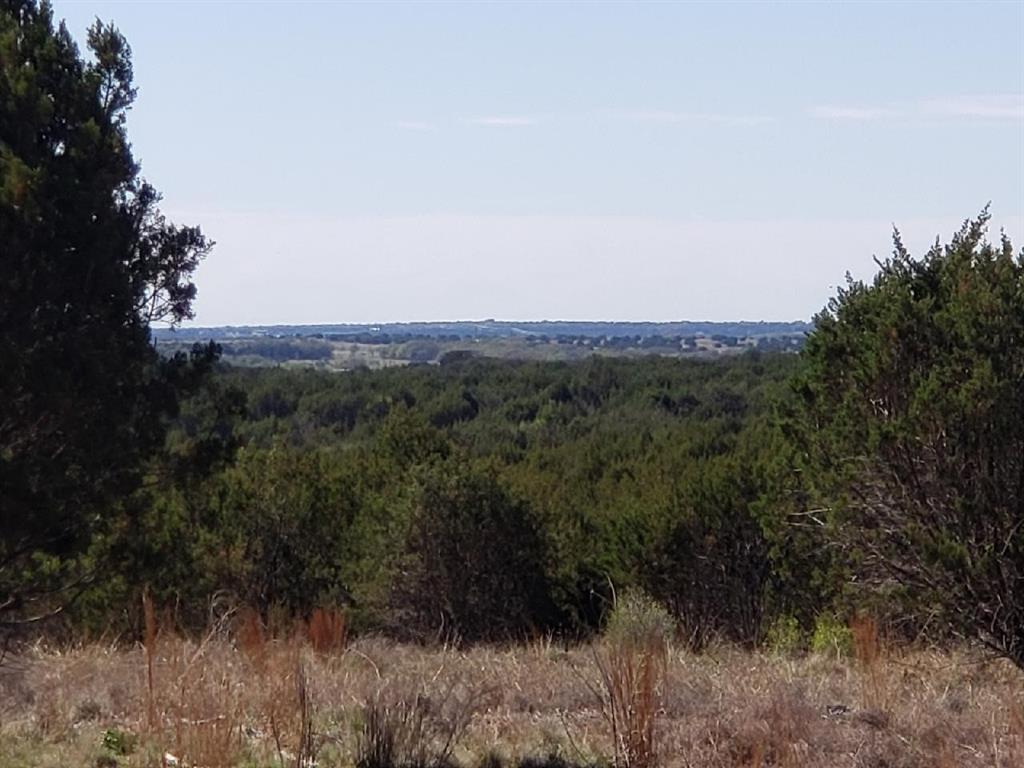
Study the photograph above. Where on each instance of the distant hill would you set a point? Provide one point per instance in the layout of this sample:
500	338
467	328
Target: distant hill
491	329
351	346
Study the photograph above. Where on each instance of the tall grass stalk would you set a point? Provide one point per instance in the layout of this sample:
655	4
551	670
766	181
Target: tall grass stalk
149	646
632	665
327	630
869	651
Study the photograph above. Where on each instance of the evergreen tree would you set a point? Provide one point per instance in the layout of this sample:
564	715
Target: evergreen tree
87	263
913	411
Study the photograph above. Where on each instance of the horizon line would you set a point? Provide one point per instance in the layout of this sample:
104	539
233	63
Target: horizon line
478	321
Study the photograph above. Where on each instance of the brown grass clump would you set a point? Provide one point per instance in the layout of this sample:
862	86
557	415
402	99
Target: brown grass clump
327	630
201	694
286	709
415	728
251	637
1015	709
632	671
202	712
870	653
631	681
778	735
194	704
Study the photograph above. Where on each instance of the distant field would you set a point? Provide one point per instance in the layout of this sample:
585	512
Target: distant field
499	328
374	347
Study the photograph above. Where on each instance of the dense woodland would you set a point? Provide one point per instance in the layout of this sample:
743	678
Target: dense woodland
477	499
762	496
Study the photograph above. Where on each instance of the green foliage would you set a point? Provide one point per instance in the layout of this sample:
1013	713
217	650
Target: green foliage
481	498
638	621
913	432
571	481
831	637
283	517
784	636
711	566
88	264
475	559
119	742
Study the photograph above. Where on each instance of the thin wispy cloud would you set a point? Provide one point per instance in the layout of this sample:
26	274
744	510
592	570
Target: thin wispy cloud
1004	106
829	112
1007	106
413	125
668	117
984	107
503	121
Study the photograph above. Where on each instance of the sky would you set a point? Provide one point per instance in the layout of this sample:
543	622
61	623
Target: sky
524	161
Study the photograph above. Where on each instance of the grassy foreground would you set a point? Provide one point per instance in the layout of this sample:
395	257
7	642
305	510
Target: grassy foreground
244	700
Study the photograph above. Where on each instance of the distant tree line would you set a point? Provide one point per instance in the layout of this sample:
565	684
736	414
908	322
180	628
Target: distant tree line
279	350
424	348
491	329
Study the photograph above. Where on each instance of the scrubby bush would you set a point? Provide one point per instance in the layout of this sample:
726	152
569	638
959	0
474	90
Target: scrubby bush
784	636
639	621
474	565
831	637
912	393
631	662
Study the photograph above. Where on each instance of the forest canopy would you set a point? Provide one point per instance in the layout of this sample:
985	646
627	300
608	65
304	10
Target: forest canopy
877	471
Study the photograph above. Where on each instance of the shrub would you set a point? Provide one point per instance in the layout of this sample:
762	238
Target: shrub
632	673
411	729
711	566
784	636
475	560
831	637
639	621
913	422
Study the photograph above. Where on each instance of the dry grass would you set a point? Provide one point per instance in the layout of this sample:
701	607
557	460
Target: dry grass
632	676
327	630
415	728
243	698
869	651
632	681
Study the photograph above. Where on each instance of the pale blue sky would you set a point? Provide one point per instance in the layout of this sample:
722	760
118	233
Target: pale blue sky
376	162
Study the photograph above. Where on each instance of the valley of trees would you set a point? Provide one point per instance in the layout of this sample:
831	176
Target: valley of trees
485	499
880	470
495	500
